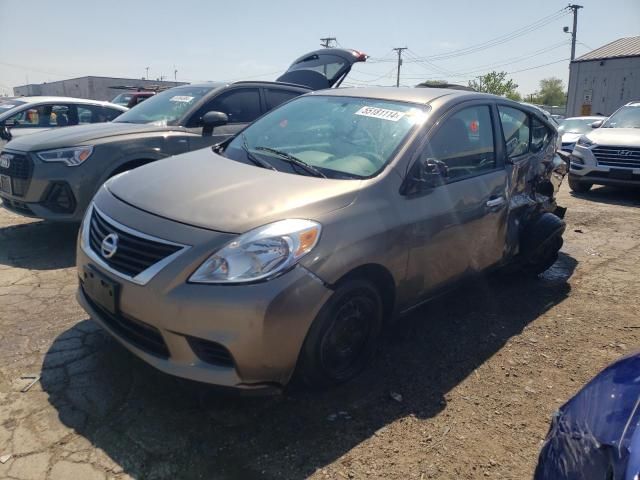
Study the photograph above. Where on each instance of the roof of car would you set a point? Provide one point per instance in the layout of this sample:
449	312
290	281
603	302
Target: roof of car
405	94
44	99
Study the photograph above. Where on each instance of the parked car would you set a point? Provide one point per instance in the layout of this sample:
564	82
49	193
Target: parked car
131	99
26	115
573	128
595	435
610	154
292	245
54	175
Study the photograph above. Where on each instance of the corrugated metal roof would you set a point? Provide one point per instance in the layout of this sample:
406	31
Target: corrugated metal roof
623	47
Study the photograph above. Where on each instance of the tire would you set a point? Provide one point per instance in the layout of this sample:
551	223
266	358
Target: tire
541	242
344	336
578	186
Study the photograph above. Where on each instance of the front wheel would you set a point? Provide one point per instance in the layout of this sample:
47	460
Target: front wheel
578	186
343	337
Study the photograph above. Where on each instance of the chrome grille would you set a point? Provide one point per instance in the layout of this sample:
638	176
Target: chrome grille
625	157
134	254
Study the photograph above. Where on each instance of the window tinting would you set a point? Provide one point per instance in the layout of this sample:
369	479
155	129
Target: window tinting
464	142
540	135
515	126
241	106
277	96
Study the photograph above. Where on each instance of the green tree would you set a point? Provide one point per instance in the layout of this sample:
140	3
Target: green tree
496	83
514	96
551	92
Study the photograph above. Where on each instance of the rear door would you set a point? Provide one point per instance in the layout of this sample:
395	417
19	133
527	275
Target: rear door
459	226
321	69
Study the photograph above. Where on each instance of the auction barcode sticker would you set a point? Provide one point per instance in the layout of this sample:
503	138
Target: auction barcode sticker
382	113
181	98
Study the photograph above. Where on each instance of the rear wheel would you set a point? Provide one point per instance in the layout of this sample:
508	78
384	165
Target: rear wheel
541	242
578	186
343	337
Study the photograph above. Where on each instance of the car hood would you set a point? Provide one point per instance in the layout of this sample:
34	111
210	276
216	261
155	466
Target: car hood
207	190
628	137
78	135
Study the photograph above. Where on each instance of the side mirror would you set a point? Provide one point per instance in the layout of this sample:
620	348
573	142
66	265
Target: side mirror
5	134
427	173
597	124
211	120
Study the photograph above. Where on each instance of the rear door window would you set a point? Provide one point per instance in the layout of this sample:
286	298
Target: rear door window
516	129
464	142
540	135
277	96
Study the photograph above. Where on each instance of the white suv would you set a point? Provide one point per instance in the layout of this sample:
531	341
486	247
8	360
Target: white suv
610	154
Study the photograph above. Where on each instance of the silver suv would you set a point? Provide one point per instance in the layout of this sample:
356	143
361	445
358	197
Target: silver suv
610	154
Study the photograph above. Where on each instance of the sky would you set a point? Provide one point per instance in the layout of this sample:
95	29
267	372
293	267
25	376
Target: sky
47	40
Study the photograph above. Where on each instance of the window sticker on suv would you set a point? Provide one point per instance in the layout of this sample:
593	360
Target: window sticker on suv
181	98
382	113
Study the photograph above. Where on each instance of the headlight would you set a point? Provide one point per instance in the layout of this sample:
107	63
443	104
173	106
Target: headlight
585	142
69	156
260	253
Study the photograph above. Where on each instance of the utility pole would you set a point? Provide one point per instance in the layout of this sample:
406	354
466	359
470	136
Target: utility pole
399	50
175	74
575	9
326	42
147	75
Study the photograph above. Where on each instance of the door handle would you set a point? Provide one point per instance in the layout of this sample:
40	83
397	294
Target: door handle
495	202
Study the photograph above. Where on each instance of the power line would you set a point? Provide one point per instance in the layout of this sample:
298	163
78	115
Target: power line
498	40
509	61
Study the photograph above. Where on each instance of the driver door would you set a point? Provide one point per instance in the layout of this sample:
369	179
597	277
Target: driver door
459	227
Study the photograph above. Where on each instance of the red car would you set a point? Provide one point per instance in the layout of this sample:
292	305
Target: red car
131	99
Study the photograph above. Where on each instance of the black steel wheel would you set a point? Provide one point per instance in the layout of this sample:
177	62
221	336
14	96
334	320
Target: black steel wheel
343	337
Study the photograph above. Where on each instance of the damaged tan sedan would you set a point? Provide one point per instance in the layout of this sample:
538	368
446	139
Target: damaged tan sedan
287	250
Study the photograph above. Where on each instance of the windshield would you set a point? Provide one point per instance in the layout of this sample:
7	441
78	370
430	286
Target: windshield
576	125
7	106
626	117
165	108
122	99
341	137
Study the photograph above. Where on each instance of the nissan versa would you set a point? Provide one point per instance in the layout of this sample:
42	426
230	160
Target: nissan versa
53	175
290	247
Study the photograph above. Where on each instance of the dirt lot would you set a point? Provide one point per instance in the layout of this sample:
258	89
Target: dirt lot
479	372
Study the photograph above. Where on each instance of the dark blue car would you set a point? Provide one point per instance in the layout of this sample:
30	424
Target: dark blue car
595	435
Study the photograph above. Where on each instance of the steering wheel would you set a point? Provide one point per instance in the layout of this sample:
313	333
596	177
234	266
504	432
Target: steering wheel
368	137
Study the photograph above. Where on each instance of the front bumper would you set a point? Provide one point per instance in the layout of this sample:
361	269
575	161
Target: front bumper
585	168
52	191
262	326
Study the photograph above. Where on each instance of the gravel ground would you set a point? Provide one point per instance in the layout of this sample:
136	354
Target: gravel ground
465	391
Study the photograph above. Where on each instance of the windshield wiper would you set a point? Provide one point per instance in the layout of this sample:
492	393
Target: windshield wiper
293	160
255	160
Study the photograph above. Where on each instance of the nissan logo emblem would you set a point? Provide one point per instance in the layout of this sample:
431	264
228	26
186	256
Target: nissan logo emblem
109	245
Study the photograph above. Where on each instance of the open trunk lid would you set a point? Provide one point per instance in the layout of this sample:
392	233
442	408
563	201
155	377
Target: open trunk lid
323	68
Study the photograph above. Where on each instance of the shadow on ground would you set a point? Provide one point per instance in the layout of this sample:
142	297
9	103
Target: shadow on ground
38	245
624	196
156	426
